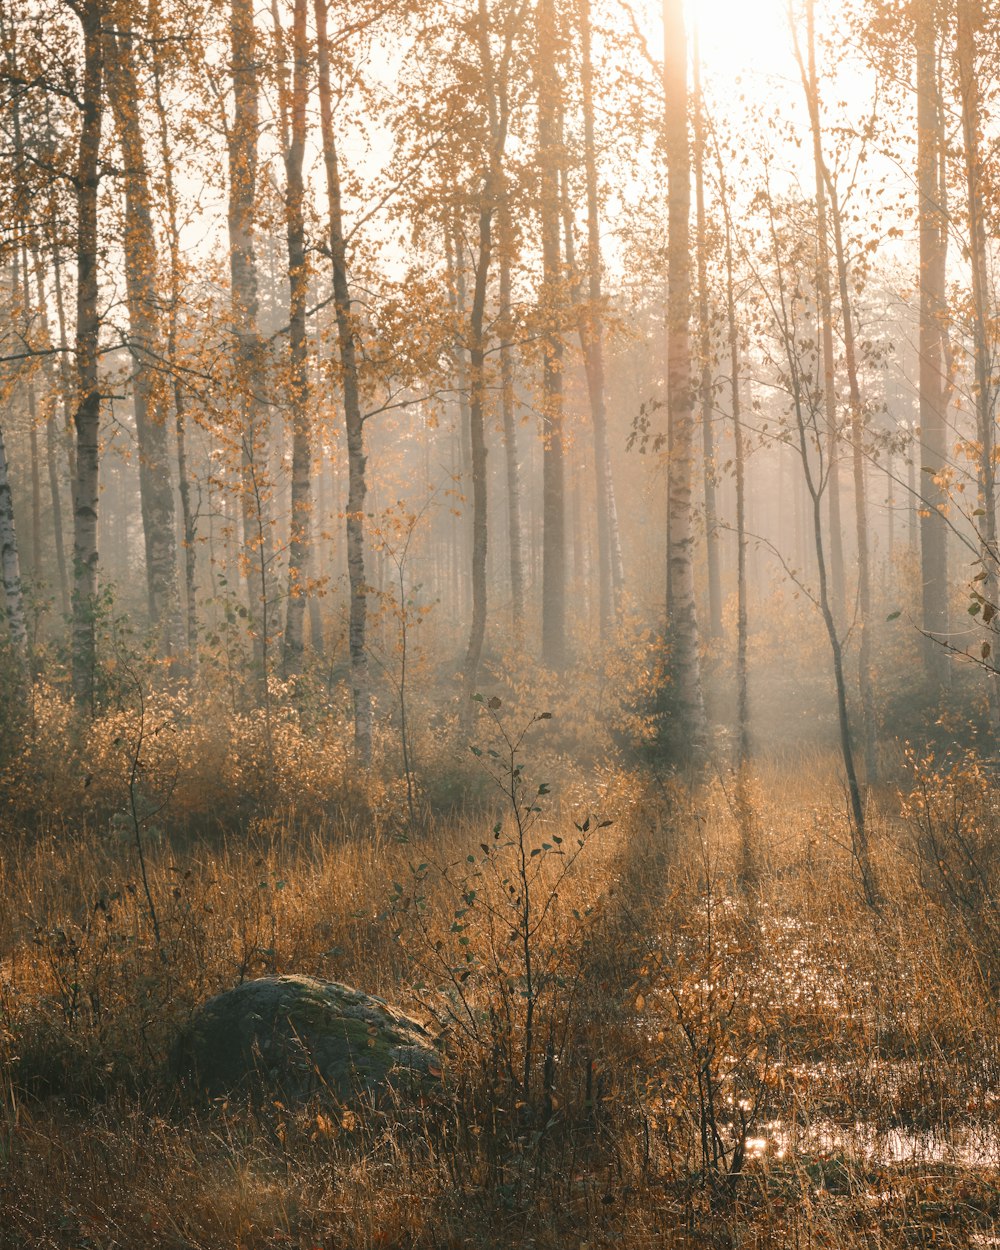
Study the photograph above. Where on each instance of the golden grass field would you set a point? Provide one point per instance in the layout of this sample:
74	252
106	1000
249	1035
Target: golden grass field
701	1053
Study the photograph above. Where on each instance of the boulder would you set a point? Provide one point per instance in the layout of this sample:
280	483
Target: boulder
298	1036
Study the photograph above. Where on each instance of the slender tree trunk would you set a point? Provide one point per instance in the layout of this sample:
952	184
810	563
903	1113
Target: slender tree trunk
22	281
706	355
683	624
509	415
828	213
20	309
807	430
36	491
913	526
189	521
249	347
492	190
357	486
318	536
156	490
811	84
859	824
52	441
611	574
454	259
68	384
745	812
554	650
88	395
575	464
933	416
293	129
969	20
55	498
890	509
10	568
865	681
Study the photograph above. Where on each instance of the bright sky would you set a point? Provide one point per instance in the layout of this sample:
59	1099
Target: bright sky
745	39
747	50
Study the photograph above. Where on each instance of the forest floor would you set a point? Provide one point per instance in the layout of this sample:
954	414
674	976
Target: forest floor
717	1055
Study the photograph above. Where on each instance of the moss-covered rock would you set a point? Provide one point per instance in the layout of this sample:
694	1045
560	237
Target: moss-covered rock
298	1036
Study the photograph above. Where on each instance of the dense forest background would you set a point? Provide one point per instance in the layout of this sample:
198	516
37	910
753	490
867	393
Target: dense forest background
608	389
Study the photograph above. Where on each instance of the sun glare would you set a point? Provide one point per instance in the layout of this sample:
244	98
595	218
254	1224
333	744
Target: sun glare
740	39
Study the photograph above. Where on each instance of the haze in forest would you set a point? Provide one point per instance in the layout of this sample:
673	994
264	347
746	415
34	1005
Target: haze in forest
498	695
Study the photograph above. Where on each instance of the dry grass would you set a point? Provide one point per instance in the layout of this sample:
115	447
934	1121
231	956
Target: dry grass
709	1065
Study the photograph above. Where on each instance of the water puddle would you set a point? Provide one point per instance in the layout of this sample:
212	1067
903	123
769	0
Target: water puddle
868	1145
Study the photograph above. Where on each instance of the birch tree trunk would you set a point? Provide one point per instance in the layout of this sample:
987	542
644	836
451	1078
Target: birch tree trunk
828	210
739	457
357	486
610	569
21	305
66	372
36	490
508	413
249	348
156	490
454	260
52	440
56	504
491	192
683	623
811	85
969	21
87	414
705	354
293	129
933	415
807	427
10	568
188	519
744	806
30	247
748	868
913	520
865	681
553	467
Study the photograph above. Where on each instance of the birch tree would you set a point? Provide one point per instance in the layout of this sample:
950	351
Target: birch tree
87	415
554	649
292	108
933	244
683	619
156	488
248	355
610	568
829	214
984	384
10	567
356	458
492	190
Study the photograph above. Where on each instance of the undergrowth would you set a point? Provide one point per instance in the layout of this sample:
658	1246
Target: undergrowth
642	1048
